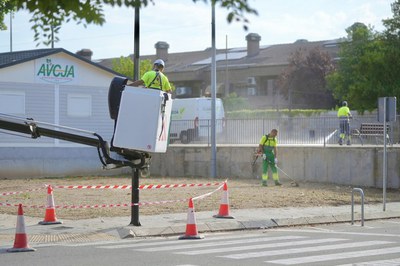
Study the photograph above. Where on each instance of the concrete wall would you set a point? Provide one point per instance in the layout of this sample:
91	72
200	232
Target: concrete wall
355	165
30	162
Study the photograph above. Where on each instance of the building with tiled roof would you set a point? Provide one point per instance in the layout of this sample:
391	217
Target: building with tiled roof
59	87
18	57
248	71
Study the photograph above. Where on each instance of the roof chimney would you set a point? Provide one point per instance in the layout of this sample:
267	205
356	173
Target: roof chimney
86	53
162	50
253	44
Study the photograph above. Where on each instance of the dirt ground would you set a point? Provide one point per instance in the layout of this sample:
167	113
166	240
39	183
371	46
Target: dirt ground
243	193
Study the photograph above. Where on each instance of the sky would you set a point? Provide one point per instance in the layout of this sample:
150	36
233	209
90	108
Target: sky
186	26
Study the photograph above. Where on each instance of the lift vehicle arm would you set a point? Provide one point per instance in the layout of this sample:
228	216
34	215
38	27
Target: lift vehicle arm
36	129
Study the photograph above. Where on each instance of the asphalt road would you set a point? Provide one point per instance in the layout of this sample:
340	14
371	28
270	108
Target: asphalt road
377	243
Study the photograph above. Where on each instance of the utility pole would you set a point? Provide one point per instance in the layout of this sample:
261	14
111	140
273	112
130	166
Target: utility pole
11	40
52	36
136	63
226	67
135	171
213	94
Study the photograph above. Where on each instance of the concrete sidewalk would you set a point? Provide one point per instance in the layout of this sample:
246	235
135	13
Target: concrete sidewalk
175	224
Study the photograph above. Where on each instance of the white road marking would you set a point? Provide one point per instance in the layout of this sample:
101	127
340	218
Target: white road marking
305	249
261	246
341	255
222	243
393	262
393	222
336	232
142	243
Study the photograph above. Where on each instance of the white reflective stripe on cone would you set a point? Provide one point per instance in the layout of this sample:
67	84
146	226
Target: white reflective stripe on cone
20	229
191	219
50	201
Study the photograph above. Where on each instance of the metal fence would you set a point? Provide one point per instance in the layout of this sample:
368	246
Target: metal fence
322	130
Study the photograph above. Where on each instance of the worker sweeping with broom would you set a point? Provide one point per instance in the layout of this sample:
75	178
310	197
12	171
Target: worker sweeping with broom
268	148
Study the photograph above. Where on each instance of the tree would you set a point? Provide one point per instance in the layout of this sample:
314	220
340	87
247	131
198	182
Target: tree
303	82
5	7
49	15
352	80
233	102
392	52
393	24
124	65
369	67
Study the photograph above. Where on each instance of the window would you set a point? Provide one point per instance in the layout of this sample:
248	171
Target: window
12	102
79	105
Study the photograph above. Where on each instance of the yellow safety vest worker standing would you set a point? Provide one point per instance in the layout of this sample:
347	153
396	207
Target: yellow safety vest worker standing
344	115
268	148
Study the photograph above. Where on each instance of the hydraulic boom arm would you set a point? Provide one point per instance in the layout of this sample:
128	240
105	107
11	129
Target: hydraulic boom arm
38	129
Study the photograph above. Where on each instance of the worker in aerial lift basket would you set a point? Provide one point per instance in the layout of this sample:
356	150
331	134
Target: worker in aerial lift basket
154	78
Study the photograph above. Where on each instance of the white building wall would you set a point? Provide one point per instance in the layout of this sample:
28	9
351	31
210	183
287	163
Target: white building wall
58	89
21	73
30	72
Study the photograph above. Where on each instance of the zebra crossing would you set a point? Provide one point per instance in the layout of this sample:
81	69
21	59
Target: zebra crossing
278	250
274	249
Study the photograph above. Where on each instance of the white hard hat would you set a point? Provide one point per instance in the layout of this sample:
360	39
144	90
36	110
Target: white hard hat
159	62
344	103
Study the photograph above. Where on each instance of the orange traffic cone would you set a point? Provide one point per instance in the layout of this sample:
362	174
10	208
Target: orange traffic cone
21	239
224	207
191	227
50	215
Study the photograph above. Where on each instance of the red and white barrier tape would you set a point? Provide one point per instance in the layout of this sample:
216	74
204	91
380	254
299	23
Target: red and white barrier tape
209	193
115	187
68	207
118	187
8	204
140	187
93	206
159	202
178	185
96	187
20	192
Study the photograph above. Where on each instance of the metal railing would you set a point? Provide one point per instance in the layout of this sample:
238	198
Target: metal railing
319	131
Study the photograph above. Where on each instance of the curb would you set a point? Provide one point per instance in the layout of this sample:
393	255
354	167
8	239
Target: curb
129	232
174	224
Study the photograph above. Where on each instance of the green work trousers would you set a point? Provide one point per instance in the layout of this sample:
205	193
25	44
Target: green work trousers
269	161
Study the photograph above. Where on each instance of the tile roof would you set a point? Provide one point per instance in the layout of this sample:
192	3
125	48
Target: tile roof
269	55
13	58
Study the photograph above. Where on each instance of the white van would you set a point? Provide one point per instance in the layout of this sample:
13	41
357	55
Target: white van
191	119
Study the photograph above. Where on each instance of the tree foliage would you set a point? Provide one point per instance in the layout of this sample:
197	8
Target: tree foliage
233	102
49	15
369	65
392	51
124	65
5	8
352	82
392	25
303	81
